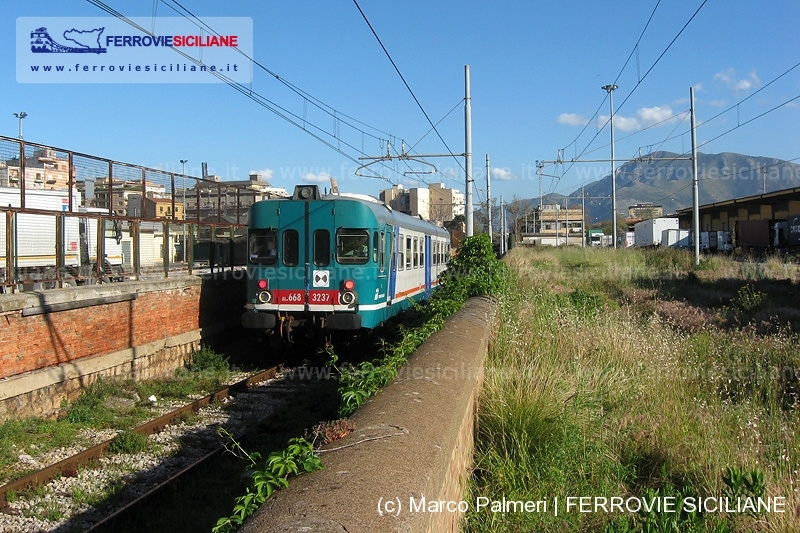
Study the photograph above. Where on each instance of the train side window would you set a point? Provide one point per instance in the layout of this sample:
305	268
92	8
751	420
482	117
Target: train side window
382	253
291	247
352	246
375	247
416	252
401	254
422	251
261	246
408	252
322	247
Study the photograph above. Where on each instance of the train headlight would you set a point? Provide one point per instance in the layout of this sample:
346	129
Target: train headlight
264	297
347	296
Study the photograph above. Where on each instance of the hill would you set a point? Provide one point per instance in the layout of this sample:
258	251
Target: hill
663	179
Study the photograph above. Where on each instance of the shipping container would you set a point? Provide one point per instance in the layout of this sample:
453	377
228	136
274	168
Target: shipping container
753	233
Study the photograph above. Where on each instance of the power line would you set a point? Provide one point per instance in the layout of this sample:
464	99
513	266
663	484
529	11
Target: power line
397	69
739	125
642	78
294	119
599	107
743	100
331	111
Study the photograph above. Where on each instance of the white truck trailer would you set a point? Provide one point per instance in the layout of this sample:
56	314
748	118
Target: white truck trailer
650	232
34	238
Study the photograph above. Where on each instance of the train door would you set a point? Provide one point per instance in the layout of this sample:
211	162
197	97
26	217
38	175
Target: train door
427	262
395	243
383	256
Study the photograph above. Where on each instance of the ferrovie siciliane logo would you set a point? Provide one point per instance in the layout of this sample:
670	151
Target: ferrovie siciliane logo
152	50
82	41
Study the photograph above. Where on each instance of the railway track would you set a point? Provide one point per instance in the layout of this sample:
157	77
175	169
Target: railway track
97	491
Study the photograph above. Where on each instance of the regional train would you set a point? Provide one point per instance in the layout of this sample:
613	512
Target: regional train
336	262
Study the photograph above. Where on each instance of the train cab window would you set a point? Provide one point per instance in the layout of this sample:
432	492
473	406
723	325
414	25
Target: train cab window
408	252
375	247
262	246
322	247
291	247
352	246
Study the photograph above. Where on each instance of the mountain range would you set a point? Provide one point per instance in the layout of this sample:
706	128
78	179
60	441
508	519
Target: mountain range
665	179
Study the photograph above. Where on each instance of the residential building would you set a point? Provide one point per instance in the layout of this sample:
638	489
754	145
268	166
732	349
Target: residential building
436	203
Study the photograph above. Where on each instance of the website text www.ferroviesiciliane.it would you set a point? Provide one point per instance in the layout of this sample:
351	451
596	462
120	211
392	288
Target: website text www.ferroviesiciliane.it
132	67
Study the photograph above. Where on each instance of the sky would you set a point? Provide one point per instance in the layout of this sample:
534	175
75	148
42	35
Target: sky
536	75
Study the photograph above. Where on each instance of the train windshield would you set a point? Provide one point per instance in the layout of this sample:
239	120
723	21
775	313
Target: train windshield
352	246
261	245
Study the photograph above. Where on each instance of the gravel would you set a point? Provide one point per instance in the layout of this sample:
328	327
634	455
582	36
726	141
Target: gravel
70	503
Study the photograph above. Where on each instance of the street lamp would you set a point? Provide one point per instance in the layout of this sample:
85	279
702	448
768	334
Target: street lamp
20	116
183	203
610	90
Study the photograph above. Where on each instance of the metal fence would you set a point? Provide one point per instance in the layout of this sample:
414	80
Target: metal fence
68	218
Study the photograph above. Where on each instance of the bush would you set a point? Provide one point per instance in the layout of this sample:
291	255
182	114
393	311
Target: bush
475	270
128	442
206	359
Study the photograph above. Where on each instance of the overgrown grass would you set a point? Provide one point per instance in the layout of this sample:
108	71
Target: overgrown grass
591	392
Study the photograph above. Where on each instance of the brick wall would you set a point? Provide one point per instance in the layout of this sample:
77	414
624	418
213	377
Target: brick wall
140	328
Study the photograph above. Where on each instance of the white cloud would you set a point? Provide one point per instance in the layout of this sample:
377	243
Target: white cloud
449	172
572	119
266	174
652	115
737	83
316	178
645	116
502	174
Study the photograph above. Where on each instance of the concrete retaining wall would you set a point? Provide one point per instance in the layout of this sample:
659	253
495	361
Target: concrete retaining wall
54	344
412	446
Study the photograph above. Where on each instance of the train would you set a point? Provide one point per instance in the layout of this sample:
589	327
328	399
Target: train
340	262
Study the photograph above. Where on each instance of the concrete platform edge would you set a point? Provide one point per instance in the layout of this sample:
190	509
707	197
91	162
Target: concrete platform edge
412	446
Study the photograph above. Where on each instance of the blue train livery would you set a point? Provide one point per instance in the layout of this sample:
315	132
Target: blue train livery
336	262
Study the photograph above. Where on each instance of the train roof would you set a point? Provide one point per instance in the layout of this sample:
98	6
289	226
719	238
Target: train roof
382	211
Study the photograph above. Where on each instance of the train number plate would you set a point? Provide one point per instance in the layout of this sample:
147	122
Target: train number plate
289	297
321	297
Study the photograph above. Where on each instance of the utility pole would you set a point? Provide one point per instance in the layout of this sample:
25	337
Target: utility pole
695	190
539	167
183	202
468	153
489	198
502	227
583	218
610	89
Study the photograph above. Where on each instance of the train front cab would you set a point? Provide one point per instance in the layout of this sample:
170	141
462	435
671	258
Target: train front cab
323	263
